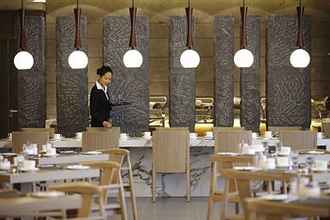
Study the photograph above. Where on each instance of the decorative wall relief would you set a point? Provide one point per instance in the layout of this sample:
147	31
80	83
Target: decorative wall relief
182	82
224	65
288	88
71	84
128	84
31	84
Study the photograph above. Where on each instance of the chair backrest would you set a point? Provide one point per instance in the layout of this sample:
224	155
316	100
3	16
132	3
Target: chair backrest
170	150
101	129
50	130
217	129
109	170
117	154
244	179
97	140
299	140
86	190
277	129
220	162
229	141
229	161
22	137
326	129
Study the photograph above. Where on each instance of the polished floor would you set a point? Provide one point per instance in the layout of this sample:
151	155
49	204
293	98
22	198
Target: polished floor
173	209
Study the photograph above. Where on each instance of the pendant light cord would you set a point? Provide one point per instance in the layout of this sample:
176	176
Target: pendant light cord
189	15
300	15
22	34
77	13
132	13
243	37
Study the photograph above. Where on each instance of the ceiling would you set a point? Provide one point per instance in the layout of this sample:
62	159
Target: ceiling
209	7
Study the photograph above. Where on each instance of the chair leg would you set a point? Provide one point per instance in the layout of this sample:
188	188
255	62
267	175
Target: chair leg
122	200
133	198
209	208
223	209
153	185
188	186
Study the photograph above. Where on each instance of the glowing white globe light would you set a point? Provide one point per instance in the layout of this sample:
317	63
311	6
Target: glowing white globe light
23	60
300	58
133	59
189	59
243	58
78	59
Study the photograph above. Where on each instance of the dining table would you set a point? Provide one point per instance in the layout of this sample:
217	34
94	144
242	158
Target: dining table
28	180
292	206
18	204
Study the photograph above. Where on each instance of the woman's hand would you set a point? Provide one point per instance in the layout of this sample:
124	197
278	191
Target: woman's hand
107	124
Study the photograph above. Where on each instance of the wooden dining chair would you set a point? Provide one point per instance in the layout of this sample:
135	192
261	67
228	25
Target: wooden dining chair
299	140
229	193
244	179
170	154
278	129
87	192
100	138
122	156
229	141
260	209
51	131
217	129
110	179
34	137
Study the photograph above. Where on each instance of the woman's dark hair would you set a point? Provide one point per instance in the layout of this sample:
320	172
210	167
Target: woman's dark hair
103	70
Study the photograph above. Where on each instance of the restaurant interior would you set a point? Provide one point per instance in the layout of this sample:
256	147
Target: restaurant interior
212	109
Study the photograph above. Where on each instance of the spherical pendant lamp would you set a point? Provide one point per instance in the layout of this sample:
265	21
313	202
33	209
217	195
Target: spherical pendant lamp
132	58
243	58
78	59
189	57
300	58
23	60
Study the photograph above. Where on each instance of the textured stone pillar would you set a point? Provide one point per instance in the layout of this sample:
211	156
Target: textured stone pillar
71	85
224	80
32	93
182	81
128	84
288	88
250	77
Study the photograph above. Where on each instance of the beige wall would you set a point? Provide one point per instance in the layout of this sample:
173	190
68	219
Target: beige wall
204	43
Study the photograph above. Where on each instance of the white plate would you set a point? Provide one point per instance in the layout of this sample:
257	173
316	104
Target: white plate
51	155
68	152
47	194
246	168
29	170
77	167
227	153
8	154
92	153
314	152
275	197
319	170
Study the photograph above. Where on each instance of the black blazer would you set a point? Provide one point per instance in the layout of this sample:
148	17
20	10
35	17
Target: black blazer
100	107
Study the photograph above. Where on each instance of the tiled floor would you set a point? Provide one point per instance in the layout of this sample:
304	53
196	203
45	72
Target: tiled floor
173	209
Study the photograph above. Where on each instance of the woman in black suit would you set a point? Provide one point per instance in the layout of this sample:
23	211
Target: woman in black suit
100	105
